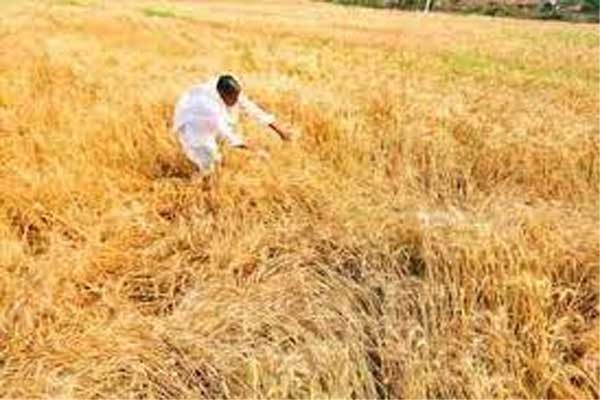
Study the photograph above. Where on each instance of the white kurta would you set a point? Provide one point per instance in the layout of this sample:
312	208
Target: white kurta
202	119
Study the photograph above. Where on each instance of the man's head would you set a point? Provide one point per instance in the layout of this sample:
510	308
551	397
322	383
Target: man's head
229	89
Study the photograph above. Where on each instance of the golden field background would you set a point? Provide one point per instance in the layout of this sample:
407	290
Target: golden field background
433	233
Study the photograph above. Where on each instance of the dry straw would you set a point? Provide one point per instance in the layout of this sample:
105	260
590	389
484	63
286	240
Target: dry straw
433	234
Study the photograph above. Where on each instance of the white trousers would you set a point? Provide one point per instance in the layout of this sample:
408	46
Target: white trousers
204	155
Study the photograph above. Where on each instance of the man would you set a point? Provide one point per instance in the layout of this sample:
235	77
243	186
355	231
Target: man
207	113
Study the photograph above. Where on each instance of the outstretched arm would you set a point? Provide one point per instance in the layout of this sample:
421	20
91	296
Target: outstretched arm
262	117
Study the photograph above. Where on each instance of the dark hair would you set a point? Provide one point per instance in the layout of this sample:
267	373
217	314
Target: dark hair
227	85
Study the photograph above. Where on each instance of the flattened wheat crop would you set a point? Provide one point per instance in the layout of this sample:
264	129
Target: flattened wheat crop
433	233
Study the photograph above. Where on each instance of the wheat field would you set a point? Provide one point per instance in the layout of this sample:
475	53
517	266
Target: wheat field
432	234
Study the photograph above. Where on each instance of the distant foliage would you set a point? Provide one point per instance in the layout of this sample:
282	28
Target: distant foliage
578	10
404	4
592	5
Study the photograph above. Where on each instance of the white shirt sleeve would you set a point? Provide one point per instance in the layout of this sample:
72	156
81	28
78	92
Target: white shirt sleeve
225	132
255	111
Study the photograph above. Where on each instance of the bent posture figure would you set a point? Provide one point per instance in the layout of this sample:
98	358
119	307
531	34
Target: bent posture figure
207	113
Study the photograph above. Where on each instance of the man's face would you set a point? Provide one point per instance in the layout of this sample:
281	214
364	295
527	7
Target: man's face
230	98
